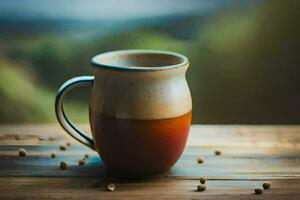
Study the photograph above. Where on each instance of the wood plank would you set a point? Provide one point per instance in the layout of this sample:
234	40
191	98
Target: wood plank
248	152
245	136
200	135
232	164
250	156
80	188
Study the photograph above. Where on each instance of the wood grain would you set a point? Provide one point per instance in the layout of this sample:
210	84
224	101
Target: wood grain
67	188
250	156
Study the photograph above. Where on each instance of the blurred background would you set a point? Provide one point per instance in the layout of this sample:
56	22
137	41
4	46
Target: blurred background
245	62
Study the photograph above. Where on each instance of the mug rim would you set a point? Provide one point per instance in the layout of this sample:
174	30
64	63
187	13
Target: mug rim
96	63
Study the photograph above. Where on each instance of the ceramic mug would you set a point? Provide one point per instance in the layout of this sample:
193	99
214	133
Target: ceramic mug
139	113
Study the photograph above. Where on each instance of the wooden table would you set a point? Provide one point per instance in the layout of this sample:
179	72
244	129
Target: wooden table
250	156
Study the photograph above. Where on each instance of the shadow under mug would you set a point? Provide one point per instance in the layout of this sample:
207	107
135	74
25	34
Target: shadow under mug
139	111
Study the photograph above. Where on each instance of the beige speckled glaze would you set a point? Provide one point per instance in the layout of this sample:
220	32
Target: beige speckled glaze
157	91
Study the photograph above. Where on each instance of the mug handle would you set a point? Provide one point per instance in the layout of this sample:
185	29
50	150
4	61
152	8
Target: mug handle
65	123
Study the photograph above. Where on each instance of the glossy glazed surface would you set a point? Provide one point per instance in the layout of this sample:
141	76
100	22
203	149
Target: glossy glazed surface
140	110
134	148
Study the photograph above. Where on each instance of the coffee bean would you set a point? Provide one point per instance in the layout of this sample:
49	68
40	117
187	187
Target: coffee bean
217	152
200	160
81	162
62	147
68	144
110	187
266	186
258	191
63	165
202	180
22	152
52	155
201	188
86	155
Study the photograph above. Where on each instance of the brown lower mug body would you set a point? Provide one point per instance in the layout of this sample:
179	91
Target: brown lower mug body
139	148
